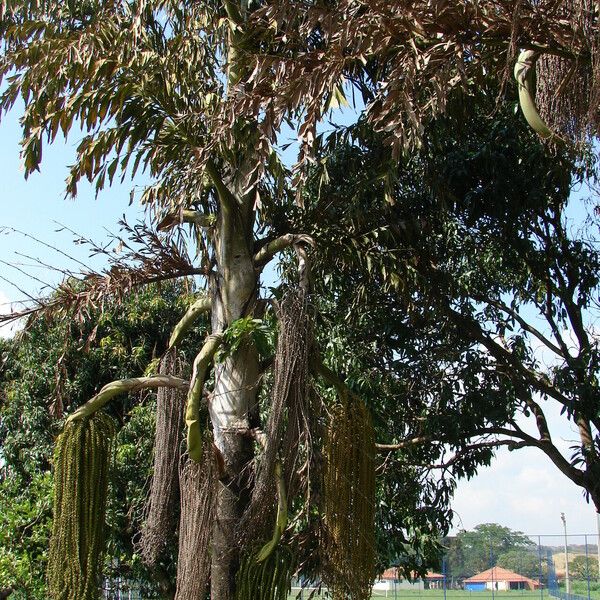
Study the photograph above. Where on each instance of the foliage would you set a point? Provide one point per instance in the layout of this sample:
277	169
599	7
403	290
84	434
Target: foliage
443	284
404	61
581	588
584	567
247	330
79	357
489	544
525	561
25	522
269	579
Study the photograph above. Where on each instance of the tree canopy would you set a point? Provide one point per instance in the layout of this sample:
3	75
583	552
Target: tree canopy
467	277
490	544
56	365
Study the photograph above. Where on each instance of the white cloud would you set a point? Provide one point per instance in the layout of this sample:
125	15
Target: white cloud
523	490
539	477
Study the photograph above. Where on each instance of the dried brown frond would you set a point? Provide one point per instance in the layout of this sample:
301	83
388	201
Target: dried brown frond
290	425
403	58
139	257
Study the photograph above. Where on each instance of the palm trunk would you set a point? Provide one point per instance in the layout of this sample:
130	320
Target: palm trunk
234	291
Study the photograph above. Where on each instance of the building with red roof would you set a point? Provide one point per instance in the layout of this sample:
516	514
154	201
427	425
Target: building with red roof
391	580
498	578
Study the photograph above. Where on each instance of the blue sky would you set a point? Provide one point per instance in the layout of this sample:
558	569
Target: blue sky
521	490
38	207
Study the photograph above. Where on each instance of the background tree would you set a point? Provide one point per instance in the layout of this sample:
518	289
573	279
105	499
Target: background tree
489	544
525	561
57	364
583	567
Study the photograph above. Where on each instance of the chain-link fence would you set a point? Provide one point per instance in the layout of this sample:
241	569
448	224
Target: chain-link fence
120	588
544	567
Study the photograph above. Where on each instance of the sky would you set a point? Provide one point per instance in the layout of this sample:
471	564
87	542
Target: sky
521	490
37	206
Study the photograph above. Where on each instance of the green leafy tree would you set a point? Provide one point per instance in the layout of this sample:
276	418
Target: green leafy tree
483	295
487	545
57	364
584	567
525	561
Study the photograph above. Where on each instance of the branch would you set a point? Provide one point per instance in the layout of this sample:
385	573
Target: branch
270	249
303	268
538	413
192	410
503	355
228	200
524	325
511	444
574	474
328	375
587	440
185	216
567	289
199	307
404	443
547	312
123	386
517	432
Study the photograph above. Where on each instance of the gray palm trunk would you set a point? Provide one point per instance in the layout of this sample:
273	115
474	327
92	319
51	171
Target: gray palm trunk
234	294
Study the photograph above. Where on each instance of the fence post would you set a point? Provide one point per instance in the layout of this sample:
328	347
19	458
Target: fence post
567	578
598	541
540	574
587	567
444	576
492	567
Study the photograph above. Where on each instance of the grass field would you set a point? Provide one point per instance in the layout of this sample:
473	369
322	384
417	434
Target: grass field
401	594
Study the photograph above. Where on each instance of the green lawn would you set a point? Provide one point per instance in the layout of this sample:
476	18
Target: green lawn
461	595
450	595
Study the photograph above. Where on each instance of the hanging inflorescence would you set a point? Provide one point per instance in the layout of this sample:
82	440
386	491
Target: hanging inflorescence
162	504
81	461
349	501
568	89
197	482
289	428
284	466
269	579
